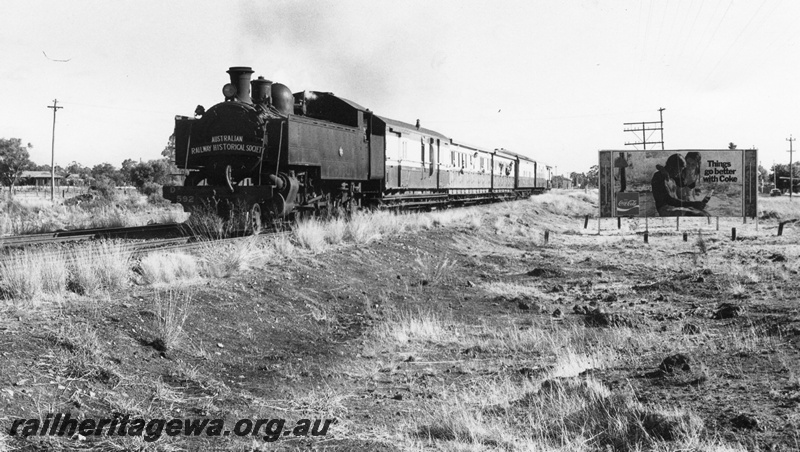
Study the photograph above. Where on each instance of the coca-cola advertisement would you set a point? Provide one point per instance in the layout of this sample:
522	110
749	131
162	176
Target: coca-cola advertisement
627	204
678	183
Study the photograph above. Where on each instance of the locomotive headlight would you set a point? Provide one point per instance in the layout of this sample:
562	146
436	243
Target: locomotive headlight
229	91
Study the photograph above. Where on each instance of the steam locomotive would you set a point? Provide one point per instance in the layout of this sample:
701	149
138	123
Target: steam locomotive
276	153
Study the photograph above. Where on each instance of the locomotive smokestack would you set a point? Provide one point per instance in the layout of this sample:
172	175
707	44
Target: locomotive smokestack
240	78
261	90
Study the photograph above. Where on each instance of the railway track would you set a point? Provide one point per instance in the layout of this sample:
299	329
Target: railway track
174	230
151	238
177	236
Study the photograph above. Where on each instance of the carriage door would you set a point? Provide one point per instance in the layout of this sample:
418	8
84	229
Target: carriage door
432	155
436	153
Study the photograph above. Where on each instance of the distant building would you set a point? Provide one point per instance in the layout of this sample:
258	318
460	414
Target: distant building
561	182
38	178
75	180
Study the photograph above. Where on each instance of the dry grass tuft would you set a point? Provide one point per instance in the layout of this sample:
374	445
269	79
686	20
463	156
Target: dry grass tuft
310	234
22	275
363	228
434	270
168	267
171	310
227	258
27	274
99	266
281	246
417	326
335	231
569	203
564	414
81	355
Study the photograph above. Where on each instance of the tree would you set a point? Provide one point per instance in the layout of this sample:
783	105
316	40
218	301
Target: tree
763	177
107	171
76	168
578	179
731	146
14	159
125	172
592	176
169	150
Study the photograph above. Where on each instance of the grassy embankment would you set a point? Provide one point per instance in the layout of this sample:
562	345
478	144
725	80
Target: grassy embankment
486	410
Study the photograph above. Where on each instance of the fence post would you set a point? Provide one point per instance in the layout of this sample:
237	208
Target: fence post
733	234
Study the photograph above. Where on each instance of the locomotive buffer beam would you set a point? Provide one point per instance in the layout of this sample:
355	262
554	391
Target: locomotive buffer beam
204	196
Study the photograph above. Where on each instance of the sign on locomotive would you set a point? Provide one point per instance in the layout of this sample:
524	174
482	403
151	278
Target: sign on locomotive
276	153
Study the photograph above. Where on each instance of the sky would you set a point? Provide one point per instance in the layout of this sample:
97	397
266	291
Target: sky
553	80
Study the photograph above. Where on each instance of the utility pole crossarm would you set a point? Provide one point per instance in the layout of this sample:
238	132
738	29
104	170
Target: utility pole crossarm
643	127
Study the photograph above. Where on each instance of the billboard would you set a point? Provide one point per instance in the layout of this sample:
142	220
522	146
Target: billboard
697	182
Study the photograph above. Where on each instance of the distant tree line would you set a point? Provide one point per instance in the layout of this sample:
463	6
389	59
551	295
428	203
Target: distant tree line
586	179
146	176
782	171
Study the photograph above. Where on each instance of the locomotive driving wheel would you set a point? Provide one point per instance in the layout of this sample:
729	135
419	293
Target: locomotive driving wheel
255	218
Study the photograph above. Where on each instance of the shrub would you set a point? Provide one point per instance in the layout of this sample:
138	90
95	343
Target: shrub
105	189
150	188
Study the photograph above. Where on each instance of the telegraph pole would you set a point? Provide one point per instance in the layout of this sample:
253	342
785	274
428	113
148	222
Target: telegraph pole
791	173
55	108
644	127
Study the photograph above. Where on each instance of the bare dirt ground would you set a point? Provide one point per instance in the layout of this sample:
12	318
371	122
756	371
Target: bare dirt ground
473	337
